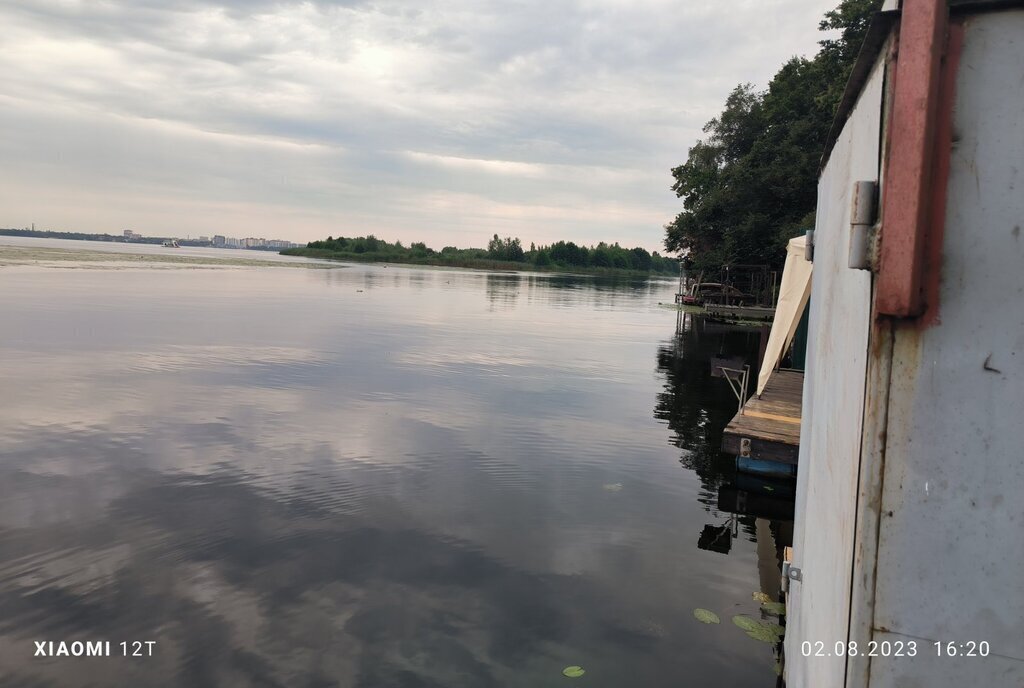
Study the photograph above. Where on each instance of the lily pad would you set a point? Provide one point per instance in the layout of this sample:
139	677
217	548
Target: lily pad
766	632
774	608
706	616
761	597
573	671
744	622
758	630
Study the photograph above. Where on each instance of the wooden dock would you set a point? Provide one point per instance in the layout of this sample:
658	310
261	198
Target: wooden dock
768	428
739	313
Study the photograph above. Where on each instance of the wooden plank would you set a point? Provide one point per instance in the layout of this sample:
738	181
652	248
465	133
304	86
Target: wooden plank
771	416
772	422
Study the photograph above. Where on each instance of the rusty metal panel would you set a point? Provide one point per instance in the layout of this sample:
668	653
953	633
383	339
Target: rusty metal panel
950	562
906	201
830	438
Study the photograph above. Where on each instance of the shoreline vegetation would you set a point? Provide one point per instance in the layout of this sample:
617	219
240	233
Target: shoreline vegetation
501	254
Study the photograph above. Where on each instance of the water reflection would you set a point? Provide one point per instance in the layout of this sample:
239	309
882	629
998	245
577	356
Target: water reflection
360	477
697	403
503	289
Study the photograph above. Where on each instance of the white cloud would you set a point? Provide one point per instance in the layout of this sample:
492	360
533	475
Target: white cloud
442	122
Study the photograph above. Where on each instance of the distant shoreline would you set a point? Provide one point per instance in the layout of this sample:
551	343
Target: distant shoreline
432	260
469	263
120	239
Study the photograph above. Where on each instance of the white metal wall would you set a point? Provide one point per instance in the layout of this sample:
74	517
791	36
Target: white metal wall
830	437
951	545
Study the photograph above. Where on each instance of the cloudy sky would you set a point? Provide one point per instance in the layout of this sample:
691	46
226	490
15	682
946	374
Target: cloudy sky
442	122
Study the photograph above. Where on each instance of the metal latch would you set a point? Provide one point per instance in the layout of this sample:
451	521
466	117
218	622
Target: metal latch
790	572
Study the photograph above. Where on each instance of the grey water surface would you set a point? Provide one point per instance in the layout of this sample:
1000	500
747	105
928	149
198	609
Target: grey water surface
365	476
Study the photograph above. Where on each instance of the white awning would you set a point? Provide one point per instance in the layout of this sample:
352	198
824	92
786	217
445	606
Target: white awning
794	291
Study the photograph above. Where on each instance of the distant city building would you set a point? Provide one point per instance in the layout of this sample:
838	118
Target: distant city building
204	239
221	241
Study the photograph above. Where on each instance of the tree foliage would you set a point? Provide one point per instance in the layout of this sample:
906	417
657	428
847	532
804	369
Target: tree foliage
500	253
505	249
751	183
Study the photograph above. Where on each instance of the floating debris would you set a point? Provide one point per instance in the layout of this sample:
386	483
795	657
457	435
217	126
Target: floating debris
706	616
573	671
761	597
613	487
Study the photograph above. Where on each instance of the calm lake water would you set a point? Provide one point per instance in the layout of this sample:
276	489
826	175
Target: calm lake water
296	475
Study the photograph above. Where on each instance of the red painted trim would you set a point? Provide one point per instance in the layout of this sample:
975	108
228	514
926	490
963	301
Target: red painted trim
906	197
940	176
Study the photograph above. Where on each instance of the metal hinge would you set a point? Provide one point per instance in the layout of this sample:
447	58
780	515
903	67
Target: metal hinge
862	219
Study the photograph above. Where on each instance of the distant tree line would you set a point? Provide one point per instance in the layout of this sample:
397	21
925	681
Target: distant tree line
751	184
500	252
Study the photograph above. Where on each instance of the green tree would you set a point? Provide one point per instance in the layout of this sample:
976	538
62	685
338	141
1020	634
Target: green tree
641	259
568	253
505	249
494	246
601	256
751	183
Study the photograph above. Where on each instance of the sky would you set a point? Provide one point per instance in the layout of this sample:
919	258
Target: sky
443	122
